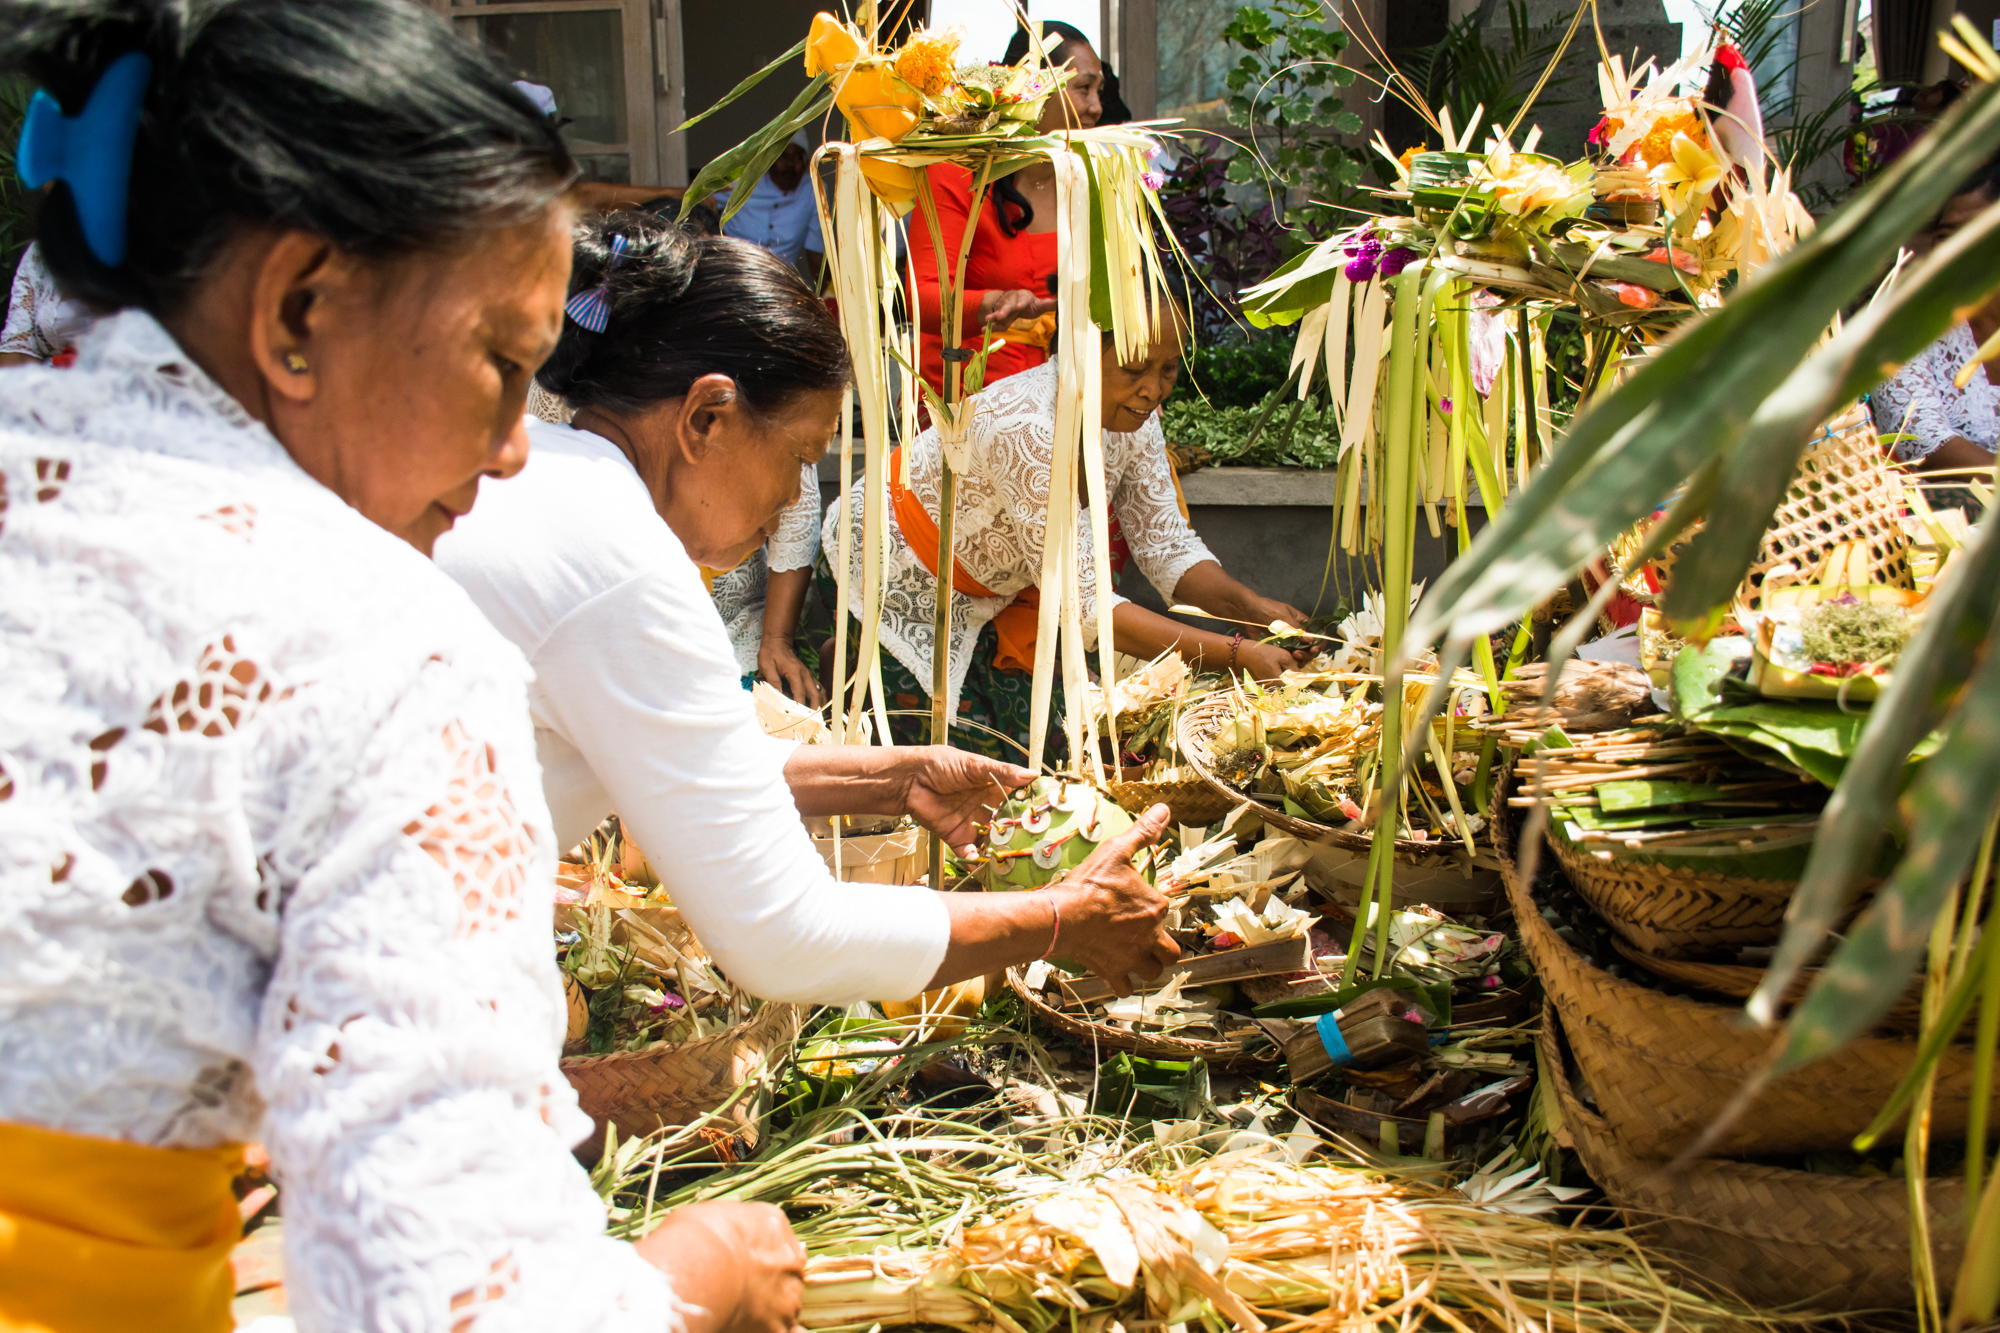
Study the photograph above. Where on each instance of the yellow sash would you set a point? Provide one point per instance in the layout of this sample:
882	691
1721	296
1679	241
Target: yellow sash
98	1236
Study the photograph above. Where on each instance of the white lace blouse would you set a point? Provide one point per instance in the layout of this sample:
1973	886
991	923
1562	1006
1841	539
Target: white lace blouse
1002	512
740	594
274	860
1922	402
41	321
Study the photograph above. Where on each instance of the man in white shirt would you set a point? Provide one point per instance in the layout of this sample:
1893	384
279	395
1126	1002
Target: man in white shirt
781	214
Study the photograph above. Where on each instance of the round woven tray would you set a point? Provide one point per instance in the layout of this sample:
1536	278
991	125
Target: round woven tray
1198	725
1772	1236
1663	1066
1220	1054
1194	802
1674	912
668	1085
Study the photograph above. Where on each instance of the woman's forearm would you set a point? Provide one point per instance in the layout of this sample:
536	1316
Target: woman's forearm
1144	634
784	600
1958	454
1210	587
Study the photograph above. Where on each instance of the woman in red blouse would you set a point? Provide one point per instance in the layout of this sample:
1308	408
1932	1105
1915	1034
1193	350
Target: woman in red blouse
1010	272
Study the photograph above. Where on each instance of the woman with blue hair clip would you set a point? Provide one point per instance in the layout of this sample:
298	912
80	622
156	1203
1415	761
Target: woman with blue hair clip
274	857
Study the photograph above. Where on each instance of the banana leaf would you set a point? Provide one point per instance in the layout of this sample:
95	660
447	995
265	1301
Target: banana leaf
743	166
1953	800
1929	677
1693	402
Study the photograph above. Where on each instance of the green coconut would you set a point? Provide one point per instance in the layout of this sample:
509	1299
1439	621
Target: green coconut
1049	827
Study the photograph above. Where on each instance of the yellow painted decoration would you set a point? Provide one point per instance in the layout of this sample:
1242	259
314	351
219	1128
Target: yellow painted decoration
893	183
947	1009
830	44
878	101
102	1236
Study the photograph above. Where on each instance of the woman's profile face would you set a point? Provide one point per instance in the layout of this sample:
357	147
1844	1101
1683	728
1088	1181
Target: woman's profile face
729	492
419	369
1134	392
1078	106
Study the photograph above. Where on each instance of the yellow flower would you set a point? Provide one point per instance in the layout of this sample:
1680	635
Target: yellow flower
1522	185
928	61
830	44
1693	174
893	183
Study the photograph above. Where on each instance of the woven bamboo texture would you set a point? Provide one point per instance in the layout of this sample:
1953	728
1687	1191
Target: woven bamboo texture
1675	912
1664	1066
1220	1054
1193	801
1843	492
1774	1237
1736	982
1198	725
668	1085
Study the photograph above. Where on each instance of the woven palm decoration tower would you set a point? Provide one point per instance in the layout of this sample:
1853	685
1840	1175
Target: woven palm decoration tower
908	108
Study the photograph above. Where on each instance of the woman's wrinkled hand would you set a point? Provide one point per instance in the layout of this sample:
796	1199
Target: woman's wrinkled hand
951	792
779	663
1266	661
1000	310
1112	920
739	1262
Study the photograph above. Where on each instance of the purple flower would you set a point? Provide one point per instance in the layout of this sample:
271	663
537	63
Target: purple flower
1360	269
1396	260
1444	404
1368	247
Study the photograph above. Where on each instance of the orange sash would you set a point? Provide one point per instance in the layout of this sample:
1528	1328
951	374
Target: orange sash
1018	626
98	1235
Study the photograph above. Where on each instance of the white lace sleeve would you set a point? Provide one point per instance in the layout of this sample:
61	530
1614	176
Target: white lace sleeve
1922	403
41	322
1142	497
406	1050
795	545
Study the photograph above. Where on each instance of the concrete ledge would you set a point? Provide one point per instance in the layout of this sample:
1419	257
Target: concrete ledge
1259	486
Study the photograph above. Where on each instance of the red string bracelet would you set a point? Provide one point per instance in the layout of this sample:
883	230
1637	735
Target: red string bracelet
1235	642
1055	911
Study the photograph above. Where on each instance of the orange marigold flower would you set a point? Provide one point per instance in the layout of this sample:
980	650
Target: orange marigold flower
928	61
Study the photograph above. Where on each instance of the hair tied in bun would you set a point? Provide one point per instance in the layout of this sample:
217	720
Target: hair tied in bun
90	152
591	307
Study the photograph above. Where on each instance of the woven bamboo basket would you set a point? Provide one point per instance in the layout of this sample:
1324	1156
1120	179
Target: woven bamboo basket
1229	1055
668	1085
1736	982
1843	492
1193	801
1673	911
1663	1066
1773	1237
1199	723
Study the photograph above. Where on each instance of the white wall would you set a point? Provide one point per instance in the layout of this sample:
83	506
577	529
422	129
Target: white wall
990	24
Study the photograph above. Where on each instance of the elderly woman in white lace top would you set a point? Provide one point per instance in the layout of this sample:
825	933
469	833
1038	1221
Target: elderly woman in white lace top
1001	513
274	858
1944	428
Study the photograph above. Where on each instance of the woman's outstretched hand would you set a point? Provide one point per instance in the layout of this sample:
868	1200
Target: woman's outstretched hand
951	792
739	1262
1000	310
778	663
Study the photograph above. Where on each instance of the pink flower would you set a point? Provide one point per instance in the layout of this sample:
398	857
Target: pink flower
1153	180
1396	260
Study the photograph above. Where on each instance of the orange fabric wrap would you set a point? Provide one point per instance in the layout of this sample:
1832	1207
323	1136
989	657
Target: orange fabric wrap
101	1236
1018	626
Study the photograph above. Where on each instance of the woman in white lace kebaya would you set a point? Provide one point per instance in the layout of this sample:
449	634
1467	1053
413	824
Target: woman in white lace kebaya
1943	428
705	377
274	859
760	600
1002	509
42	325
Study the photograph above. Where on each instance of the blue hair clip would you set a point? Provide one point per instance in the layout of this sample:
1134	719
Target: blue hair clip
591	307
91	152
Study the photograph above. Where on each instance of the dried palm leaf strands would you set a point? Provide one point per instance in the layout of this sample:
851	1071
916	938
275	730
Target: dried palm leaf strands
1258	1244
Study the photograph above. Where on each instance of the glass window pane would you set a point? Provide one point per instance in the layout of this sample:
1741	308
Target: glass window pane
580	57
1193	59
614	167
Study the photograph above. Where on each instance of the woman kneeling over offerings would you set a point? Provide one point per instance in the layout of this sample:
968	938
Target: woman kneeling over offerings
704	372
1002	510
274	858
